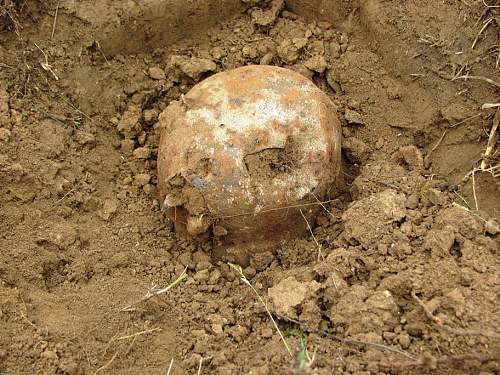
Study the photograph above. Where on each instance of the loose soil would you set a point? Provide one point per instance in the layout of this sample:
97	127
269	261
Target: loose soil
402	272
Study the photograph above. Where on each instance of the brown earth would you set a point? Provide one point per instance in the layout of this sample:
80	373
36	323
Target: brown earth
402	274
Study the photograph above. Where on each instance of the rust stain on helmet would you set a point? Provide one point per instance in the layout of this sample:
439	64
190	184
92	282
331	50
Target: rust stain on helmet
245	141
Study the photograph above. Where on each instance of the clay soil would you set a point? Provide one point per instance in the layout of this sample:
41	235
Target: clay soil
402	274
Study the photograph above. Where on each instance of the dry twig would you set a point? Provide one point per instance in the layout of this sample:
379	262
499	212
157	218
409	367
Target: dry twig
139	334
243	278
486	24
480	78
275	209
170	366
491	142
346	340
106	365
155	291
55	20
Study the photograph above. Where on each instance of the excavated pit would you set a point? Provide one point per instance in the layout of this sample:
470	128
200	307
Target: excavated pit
398	270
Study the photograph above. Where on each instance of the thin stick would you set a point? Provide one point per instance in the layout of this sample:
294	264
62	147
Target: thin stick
439	142
490	105
427	312
154	291
139	333
474	188
465	120
348	341
323	206
243	278
455	204
481	78
199	367
463	199
106	365
55	20
491	141
480	32
274	209
320	253
170	367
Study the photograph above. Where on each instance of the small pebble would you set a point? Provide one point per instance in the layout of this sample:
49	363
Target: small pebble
156	72
142	153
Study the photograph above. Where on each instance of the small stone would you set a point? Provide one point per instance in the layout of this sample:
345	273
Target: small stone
299	42
290	293
85	139
404	340
492	227
249	52
435	197
150	116
149	189
217	328
260	261
335	50
267	59
333	80
142	153
316	63
267	333
353	117
156	72
63	235
439	241
109	208
411	157
128	125
193	67
142	179
218	53
202	276
316	47
238	332
127	146
288	52
412	201
379	144
389	336
249	272
4	135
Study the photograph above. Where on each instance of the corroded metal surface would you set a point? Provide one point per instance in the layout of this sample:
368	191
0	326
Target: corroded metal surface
242	144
